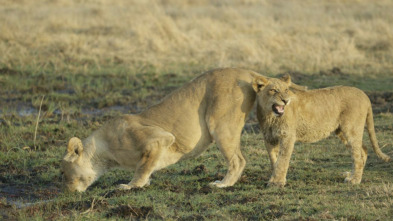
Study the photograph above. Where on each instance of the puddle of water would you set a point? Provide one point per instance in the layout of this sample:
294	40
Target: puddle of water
21	204
97	112
23	110
26	111
26	196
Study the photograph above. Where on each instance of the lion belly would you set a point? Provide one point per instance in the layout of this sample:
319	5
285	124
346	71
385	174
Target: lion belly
316	129
312	136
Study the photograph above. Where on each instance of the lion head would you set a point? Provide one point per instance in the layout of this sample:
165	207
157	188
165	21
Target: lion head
273	94
77	170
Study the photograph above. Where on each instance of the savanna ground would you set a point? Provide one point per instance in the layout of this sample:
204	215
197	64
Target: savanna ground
89	61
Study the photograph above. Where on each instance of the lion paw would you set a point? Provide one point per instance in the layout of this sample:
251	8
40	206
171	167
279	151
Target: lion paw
218	184
352	180
124	187
346	174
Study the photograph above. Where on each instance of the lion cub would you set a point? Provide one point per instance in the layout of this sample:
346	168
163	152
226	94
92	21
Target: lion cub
212	107
287	116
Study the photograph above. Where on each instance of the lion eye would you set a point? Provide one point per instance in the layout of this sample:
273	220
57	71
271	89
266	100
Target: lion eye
273	91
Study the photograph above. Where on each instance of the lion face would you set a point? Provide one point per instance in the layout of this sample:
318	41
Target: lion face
273	94
78	173
77	177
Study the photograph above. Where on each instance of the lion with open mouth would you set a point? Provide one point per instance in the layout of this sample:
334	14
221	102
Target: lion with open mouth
288	115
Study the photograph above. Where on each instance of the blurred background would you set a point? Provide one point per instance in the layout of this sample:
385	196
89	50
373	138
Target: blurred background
306	36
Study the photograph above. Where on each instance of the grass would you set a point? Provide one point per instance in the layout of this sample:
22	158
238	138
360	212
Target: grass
94	60
179	36
31	181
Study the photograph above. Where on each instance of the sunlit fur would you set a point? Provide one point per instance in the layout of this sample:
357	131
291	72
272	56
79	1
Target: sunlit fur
212	107
310	116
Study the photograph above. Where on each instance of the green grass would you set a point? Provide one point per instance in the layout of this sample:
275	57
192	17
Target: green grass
30	181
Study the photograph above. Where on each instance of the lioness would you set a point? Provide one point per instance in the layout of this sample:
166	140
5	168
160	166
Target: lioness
287	116
212	107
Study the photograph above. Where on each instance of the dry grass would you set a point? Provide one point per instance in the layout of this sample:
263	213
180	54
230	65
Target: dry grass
174	35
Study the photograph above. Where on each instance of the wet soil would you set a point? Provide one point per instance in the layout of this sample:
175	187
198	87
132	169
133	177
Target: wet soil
92	108
127	211
91	100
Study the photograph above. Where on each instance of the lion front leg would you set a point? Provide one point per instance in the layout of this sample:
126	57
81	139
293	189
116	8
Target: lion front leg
272	150
144	169
156	154
280	167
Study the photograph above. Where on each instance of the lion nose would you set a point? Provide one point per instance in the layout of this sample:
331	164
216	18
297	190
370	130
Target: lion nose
285	101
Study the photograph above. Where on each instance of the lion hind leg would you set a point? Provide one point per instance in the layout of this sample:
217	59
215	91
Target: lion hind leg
229	145
356	174
359	157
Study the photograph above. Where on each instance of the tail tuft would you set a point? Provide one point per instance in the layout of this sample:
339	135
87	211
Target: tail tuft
386	158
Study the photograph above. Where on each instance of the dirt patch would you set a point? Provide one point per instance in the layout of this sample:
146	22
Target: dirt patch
15	193
205	190
97	205
248	200
118	192
127	211
22	185
193	218
200	169
6	211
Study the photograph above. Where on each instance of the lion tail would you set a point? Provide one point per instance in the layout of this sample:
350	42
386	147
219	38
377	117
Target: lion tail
373	137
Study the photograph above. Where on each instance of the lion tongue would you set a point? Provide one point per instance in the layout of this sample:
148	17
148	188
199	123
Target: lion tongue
280	109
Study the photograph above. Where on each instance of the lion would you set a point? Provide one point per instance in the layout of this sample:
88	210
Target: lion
287	116
212	107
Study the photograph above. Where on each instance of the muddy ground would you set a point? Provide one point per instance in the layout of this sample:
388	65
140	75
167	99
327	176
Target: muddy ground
70	102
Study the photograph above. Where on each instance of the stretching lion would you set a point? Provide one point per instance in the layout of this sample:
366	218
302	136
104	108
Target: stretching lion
287	116
212	107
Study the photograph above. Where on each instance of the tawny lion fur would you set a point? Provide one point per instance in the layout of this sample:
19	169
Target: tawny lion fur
212	107
287	116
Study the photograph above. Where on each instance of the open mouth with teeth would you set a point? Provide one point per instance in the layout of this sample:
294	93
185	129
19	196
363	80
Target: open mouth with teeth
278	109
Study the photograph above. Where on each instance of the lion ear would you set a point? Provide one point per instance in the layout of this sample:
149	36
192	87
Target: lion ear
164	138
156	136
286	78
259	82
74	150
167	139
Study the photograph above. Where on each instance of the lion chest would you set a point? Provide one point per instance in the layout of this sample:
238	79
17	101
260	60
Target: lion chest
274	133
